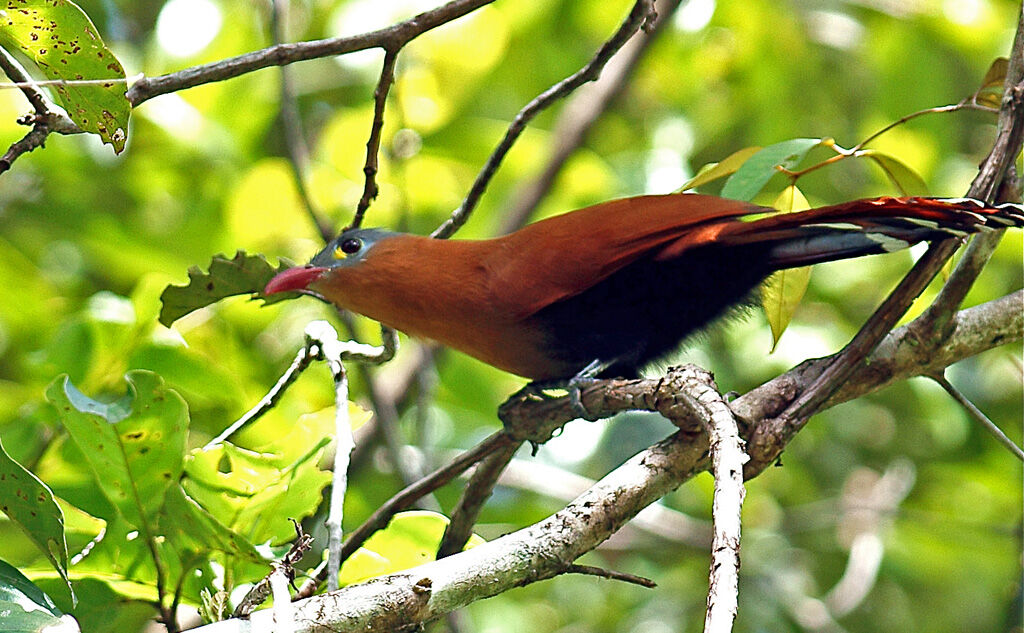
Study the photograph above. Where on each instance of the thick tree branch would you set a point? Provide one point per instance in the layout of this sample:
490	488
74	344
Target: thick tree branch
549	548
1007	146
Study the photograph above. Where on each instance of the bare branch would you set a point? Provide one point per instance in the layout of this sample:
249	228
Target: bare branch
979	416
727	459
380	97
590	570
393	37
479	489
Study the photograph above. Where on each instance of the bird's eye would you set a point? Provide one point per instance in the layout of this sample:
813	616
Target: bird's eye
348	247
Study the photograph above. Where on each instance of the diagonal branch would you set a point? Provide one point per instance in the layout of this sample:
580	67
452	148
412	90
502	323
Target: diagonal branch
642	14
380	97
1005	149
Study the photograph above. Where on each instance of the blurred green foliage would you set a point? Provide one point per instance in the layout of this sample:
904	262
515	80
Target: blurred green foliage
88	241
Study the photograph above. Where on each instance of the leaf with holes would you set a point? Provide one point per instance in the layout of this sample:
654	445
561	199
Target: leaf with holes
134	445
63	42
242	275
782	292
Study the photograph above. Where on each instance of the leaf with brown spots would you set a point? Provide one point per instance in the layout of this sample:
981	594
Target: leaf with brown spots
28	502
64	44
133	444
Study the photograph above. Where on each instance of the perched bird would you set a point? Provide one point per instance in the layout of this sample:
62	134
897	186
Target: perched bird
612	287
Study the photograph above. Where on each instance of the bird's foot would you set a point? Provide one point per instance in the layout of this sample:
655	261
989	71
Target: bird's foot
585	377
574	386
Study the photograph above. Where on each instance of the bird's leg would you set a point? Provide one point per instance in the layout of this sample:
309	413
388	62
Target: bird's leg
574	386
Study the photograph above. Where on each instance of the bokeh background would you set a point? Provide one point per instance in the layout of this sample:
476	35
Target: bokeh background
88	240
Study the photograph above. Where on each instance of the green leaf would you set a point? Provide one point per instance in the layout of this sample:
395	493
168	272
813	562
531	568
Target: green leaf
62	41
749	179
255	494
24	608
102	608
29	503
242	275
410	539
901	175
714	171
190	524
134	445
782	292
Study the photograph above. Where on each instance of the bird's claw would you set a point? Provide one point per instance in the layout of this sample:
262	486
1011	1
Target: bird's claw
575	389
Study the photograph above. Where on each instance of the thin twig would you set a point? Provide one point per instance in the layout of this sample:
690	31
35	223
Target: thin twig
302	360
343	445
405	498
580	114
590	570
44	120
380	98
394	36
979	416
261	590
316	333
291	121
479	489
641	14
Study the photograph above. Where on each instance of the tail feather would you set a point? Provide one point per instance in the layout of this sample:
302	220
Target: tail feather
865	227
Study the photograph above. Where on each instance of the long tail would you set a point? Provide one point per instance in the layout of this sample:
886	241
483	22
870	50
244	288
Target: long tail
865	227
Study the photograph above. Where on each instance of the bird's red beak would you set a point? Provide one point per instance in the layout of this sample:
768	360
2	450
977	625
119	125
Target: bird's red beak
293	279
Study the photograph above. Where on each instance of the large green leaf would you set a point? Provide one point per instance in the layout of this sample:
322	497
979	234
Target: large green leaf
134	445
749	179
24	608
241	275
62	41
255	494
29	503
192	525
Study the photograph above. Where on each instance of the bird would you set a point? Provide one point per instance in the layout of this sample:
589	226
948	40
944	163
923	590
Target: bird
607	290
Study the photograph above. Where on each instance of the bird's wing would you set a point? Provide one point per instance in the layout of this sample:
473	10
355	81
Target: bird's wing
572	252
